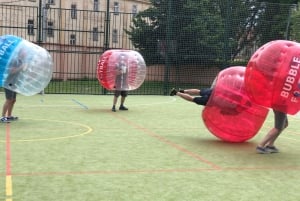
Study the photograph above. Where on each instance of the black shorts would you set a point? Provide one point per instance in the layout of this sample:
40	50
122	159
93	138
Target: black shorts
201	100
204	96
122	93
10	94
205	92
281	120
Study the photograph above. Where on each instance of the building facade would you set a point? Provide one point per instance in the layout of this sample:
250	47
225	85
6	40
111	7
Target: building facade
75	32
98	23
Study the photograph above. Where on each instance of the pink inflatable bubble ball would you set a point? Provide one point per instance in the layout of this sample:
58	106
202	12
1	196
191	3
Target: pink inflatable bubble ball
121	70
272	76
229	114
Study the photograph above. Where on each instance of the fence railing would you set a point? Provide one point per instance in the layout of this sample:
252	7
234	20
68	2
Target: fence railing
76	40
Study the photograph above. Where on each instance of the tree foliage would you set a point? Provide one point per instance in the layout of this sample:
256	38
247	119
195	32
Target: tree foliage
207	30
295	25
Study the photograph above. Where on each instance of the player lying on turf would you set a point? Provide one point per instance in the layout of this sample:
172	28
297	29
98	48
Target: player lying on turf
198	96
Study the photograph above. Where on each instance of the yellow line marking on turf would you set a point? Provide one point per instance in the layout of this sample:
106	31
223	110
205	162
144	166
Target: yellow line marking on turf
89	130
8	187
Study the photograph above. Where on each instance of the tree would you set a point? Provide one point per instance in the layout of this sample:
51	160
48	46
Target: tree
295	24
201	31
187	29
274	21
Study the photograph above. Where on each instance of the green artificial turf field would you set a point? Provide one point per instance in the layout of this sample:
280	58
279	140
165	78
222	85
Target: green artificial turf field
74	148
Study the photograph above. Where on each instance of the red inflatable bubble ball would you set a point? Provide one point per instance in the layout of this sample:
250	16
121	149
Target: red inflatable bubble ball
229	113
122	70
272	76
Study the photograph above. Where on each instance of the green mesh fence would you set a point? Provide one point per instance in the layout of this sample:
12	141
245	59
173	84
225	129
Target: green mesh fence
185	42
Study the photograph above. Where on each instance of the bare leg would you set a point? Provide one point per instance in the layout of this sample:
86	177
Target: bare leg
122	100
185	96
8	107
115	101
4	109
192	91
122	107
270	138
267	143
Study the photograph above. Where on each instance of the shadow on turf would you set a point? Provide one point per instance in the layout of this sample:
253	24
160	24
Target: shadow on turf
217	143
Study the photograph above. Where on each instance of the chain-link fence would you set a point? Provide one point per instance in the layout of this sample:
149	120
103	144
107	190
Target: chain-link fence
185	43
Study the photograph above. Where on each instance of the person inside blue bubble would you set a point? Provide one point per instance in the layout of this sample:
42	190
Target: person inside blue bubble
16	66
8	106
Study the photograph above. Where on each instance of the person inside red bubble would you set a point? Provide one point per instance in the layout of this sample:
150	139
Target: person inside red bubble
198	96
121	82
266	145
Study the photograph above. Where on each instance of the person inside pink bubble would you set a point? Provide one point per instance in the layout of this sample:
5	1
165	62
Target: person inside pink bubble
121	82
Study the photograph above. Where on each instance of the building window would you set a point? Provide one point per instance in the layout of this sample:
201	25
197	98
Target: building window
96	5
134	10
73	11
50	31
115	36
72	39
95	34
30	27
52	2
116	8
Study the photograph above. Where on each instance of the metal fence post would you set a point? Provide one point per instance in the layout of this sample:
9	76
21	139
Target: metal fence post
168	48
227	26
107	33
107	26
39	28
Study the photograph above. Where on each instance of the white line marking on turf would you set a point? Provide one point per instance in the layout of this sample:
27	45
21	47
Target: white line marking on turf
170	100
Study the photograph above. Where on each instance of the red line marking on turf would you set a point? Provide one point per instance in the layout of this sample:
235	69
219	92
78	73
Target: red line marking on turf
155	171
166	141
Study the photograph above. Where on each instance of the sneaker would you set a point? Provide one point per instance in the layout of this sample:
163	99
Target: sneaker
113	109
181	90
272	149
4	120
261	150
173	92
12	118
123	108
